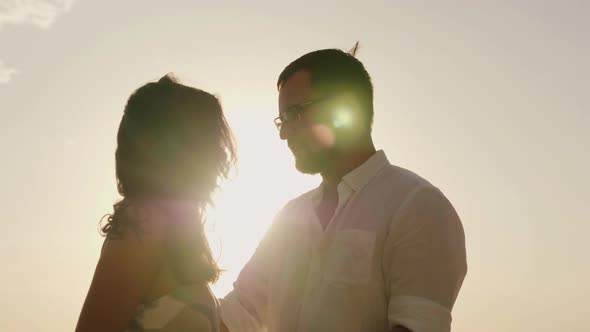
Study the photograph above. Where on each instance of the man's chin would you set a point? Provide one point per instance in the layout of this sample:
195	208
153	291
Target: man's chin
307	167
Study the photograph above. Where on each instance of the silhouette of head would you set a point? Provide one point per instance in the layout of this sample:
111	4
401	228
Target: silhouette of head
325	107
173	144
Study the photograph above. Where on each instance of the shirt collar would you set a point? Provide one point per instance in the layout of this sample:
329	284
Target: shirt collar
361	175
357	178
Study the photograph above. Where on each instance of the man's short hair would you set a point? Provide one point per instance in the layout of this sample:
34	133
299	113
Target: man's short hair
335	71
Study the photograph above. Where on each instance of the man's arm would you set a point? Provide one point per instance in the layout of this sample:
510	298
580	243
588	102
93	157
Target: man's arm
244	308
424	263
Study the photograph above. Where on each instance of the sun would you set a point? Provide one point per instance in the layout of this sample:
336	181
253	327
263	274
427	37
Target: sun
264	180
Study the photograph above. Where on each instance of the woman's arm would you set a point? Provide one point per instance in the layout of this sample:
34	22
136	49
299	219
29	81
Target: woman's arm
125	271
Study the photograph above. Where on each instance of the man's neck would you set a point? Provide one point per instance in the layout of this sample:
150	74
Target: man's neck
346	163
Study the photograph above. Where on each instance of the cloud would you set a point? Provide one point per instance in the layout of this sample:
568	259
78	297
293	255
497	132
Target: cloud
41	13
6	73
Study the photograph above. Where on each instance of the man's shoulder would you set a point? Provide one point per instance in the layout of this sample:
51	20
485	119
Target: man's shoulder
400	177
401	185
407	186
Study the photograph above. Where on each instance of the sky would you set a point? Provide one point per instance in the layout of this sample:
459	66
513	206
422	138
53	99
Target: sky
488	100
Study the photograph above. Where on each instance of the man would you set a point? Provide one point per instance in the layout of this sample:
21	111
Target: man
374	248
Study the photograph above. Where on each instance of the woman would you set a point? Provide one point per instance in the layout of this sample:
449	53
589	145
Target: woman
155	266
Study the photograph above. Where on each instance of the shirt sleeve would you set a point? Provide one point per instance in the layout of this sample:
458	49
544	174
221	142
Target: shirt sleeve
424	262
244	309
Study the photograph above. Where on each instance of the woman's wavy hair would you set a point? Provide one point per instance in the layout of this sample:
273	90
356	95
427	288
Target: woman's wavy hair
173	142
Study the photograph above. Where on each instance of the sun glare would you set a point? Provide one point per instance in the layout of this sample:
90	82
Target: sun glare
245	205
343	117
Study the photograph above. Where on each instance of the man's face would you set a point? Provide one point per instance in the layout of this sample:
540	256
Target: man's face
310	135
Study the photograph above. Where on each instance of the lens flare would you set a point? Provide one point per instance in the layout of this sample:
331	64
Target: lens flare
342	117
324	135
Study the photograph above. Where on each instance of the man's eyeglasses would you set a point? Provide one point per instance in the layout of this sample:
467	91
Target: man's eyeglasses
294	112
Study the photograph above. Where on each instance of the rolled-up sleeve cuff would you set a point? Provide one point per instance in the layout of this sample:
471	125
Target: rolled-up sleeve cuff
418	314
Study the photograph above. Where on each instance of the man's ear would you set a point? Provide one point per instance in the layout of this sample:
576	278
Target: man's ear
348	110
348	119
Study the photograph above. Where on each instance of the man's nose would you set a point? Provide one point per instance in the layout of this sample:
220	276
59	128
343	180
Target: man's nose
285	131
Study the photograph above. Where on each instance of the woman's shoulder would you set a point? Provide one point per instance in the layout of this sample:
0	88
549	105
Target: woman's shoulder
140	236
138	223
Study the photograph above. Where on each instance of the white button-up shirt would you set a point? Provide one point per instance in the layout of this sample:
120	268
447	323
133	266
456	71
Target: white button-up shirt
392	254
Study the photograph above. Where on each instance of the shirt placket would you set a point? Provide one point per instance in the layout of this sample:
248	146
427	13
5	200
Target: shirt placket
320	240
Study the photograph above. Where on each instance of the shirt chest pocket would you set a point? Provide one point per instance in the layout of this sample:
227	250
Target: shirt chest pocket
349	257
